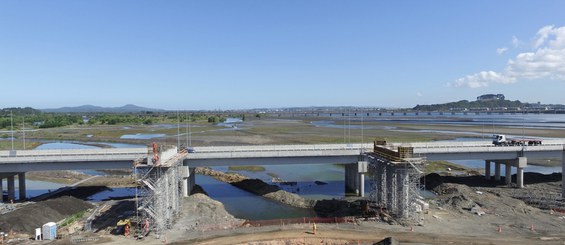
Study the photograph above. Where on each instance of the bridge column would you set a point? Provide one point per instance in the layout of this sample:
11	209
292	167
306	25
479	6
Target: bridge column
191	179
508	178
22	185
497	171
487	169
402	192
11	189
563	173
361	170
522	163
184	175
391	188
381	183
351	178
1	189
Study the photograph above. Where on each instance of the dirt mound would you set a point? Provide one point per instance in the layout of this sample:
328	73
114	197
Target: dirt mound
273	192
256	186
32	216
219	175
337	208
201	212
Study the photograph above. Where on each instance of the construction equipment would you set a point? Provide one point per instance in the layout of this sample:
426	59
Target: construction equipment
124	226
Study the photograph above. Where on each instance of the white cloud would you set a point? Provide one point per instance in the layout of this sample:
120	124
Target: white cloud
545	61
501	50
542	35
481	79
419	94
516	42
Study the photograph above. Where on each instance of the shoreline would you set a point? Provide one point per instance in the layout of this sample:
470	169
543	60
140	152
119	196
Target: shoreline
258	187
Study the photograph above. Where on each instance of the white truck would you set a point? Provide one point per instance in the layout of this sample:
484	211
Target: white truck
501	140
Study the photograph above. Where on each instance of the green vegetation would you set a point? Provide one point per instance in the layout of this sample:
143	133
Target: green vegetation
247	168
71	219
465	104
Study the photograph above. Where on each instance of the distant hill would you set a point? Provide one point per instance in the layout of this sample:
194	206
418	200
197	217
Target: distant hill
465	104
92	108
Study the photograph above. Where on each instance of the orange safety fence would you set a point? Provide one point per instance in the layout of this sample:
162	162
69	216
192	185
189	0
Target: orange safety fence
305	220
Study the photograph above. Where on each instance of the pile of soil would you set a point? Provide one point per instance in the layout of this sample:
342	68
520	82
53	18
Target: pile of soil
273	192
200	212
219	175
338	208
29	217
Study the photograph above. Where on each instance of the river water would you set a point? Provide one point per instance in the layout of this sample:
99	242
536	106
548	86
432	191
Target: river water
314	181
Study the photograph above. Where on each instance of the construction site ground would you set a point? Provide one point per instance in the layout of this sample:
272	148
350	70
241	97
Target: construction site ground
467	210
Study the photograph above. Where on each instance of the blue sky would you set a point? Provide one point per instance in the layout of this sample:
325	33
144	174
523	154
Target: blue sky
247	54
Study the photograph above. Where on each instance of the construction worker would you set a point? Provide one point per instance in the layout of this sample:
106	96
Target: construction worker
126	230
314	228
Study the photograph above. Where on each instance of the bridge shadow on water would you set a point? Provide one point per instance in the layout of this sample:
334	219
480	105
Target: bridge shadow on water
80	192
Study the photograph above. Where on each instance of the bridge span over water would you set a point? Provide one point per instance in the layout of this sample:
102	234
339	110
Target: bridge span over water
170	173
20	161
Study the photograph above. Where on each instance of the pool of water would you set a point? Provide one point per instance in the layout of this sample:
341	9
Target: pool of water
304	177
245	205
34	187
63	145
142	136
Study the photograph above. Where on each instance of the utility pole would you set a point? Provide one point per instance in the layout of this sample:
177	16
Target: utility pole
189	131
12	128
178	131
24	130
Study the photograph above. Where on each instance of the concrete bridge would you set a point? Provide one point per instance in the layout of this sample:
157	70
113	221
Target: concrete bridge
18	162
393	165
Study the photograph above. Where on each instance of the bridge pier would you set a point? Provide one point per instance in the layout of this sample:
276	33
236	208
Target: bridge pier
487	169
521	163
381	183
402	192
1	189
563	173
508	173
11	188
496	171
355	177
22	185
191	181
391	189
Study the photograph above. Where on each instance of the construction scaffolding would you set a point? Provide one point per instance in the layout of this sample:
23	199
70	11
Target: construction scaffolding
158	194
395	183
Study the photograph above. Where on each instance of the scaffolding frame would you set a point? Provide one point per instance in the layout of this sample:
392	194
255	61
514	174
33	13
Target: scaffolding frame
395	186
158	195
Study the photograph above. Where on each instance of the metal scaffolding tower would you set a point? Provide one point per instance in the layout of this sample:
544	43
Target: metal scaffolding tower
158	195
395	184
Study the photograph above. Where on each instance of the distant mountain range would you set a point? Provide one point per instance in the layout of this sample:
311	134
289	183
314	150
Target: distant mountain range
92	108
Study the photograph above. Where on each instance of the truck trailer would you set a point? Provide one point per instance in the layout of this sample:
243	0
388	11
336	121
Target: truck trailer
502	140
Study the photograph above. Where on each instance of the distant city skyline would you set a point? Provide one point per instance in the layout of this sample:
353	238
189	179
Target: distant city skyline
244	54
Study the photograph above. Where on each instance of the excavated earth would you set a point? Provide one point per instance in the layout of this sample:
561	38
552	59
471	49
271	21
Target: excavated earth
31	216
